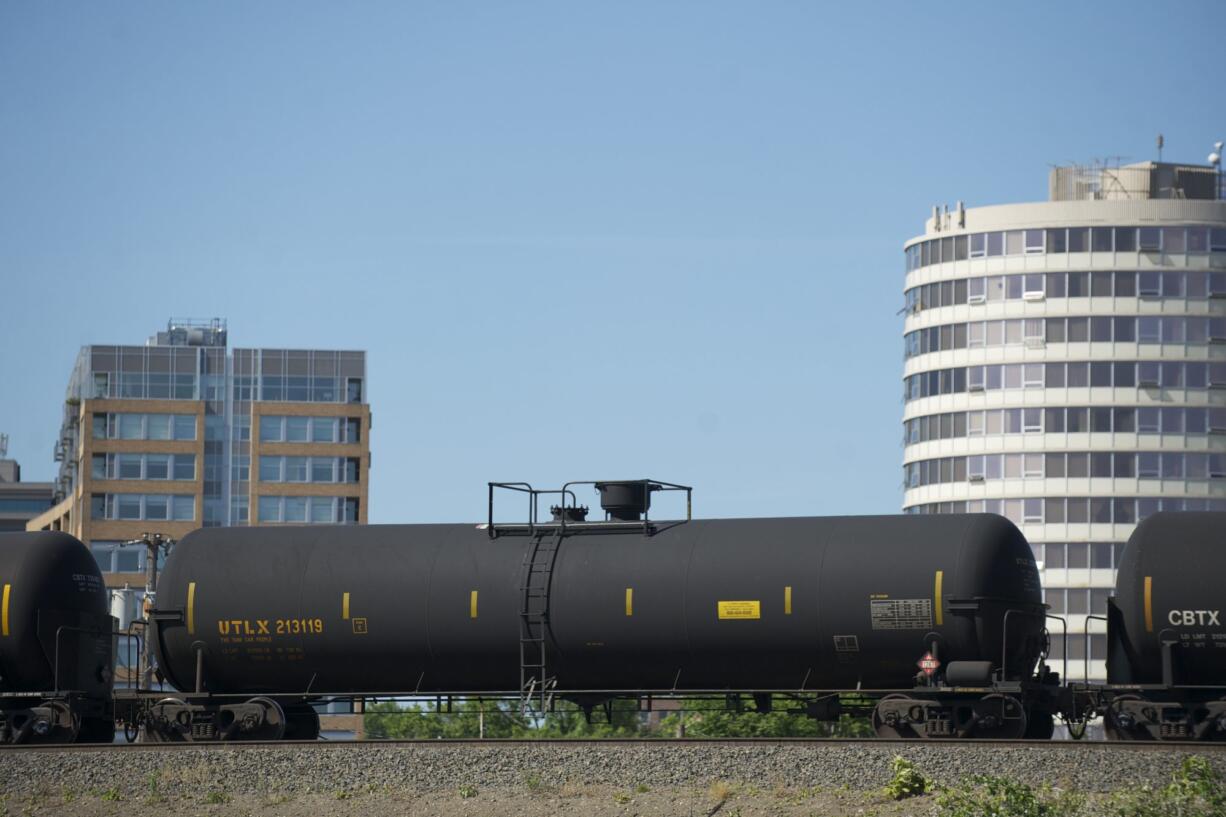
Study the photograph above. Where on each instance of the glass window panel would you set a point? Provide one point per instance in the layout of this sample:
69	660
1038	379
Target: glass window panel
1077	465
323	430
1196	466
1078	284
1100	239
1100	464
1125	239
1056	285
996	244
1172	420
1077	511
1148	464
1125	465
270	469
322	509
1034	241
272	429
1124	419
184	508
1013	242
1196	420
1196	284
157	506
131	426
1054	375
1078	375
1100	374
185	466
1055	330
1100	284
270	509
1078	239
1053	555
1057	241
323	469
296	429
158	427
978	245
295	469
295	509
959	248
1173	239
129	466
1078	555
1078	330
157	466
1149	284
1013	287
185	426
1100	329
1124	329
1125	375
1125	511
1150	238
129	506
1172	466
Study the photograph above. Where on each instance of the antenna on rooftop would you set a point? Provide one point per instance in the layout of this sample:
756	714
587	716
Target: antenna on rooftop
1160	144
4	446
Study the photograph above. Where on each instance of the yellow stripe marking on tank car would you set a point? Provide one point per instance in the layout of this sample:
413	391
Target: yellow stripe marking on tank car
191	608
472	604
936	594
629	601
344	606
4	610
787	600
1149	604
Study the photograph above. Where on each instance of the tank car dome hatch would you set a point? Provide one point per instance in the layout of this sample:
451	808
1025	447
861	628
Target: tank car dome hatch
626	500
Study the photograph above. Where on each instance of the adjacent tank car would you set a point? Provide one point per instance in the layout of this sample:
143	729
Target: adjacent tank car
55	642
252	622
1166	647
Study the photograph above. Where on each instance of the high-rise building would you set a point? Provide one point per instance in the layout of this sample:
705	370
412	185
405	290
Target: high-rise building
19	501
1065	365
182	433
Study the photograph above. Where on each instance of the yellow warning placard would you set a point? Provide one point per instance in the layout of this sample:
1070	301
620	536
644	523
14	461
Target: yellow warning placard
739	609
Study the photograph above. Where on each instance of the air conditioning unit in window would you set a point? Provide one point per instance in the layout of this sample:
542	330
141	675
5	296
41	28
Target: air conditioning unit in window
976	299
975	478
1147	383
975	387
1033	296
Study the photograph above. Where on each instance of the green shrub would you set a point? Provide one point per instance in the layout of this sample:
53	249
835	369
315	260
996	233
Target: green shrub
907	781
1195	790
983	796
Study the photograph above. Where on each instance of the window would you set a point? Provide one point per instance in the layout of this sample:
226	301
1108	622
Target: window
1077	466
270	509
1100	330
1078	239
996	244
297	429
1101	284
1173	240
353	390
1057	285
1057	241
1125	239
157	466
1150	239
1124	330
1033	285
1148	465
1034	241
979	245
185	426
1013	242
323	469
270	470
1125	284
295	509
1124	420
1100	239
1078	284
272	429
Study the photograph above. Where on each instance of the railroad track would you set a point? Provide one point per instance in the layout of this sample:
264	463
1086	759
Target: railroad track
1199	747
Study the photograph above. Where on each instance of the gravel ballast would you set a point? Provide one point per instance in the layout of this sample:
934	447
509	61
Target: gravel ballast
436	767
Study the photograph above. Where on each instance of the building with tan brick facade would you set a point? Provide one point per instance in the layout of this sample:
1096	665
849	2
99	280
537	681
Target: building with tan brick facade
182	433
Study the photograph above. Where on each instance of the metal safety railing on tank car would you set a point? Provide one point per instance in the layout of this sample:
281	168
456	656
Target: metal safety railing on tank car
563	523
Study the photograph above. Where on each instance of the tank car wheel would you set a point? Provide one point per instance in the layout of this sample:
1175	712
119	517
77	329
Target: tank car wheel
886	726
272	726
301	723
992	725
161	729
63	728
1119	726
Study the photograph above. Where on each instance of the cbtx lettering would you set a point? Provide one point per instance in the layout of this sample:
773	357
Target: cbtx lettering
1189	618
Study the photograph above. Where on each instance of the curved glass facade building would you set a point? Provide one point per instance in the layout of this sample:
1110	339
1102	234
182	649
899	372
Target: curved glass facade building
1065	366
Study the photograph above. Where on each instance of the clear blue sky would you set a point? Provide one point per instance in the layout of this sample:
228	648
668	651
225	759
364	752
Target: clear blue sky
577	240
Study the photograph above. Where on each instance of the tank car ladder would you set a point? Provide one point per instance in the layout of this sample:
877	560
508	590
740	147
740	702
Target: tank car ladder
535	683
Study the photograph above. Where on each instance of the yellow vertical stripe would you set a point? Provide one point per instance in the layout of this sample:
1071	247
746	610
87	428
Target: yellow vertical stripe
629	601
4	610
191	608
787	600
1149	604
472	604
936	593
345	606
